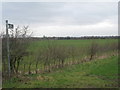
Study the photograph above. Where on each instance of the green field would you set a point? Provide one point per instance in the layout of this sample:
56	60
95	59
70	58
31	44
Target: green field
76	70
95	74
76	43
79	49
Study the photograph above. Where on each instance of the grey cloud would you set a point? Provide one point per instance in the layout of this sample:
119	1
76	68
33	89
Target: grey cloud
59	13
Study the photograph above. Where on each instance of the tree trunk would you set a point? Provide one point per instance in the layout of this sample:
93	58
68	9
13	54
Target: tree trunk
30	68
62	63
36	67
24	68
18	63
91	57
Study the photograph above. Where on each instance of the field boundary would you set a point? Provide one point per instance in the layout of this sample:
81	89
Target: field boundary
50	69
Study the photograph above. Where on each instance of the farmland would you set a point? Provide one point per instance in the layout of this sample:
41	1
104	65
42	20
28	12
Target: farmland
71	44
94	74
56	63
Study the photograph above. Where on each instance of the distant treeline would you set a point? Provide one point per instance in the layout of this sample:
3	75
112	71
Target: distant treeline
84	37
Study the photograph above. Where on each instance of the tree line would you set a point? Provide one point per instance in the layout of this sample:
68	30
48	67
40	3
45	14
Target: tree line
75	38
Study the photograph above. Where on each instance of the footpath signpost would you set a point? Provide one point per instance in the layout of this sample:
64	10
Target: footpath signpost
8	26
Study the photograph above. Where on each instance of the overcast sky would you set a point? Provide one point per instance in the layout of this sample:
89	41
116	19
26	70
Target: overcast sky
64	19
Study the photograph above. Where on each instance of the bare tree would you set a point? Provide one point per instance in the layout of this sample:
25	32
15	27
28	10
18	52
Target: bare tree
93	49
38	58
19	41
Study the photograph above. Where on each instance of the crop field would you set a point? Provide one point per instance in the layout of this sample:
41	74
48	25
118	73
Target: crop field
67	63
35	45
77	49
